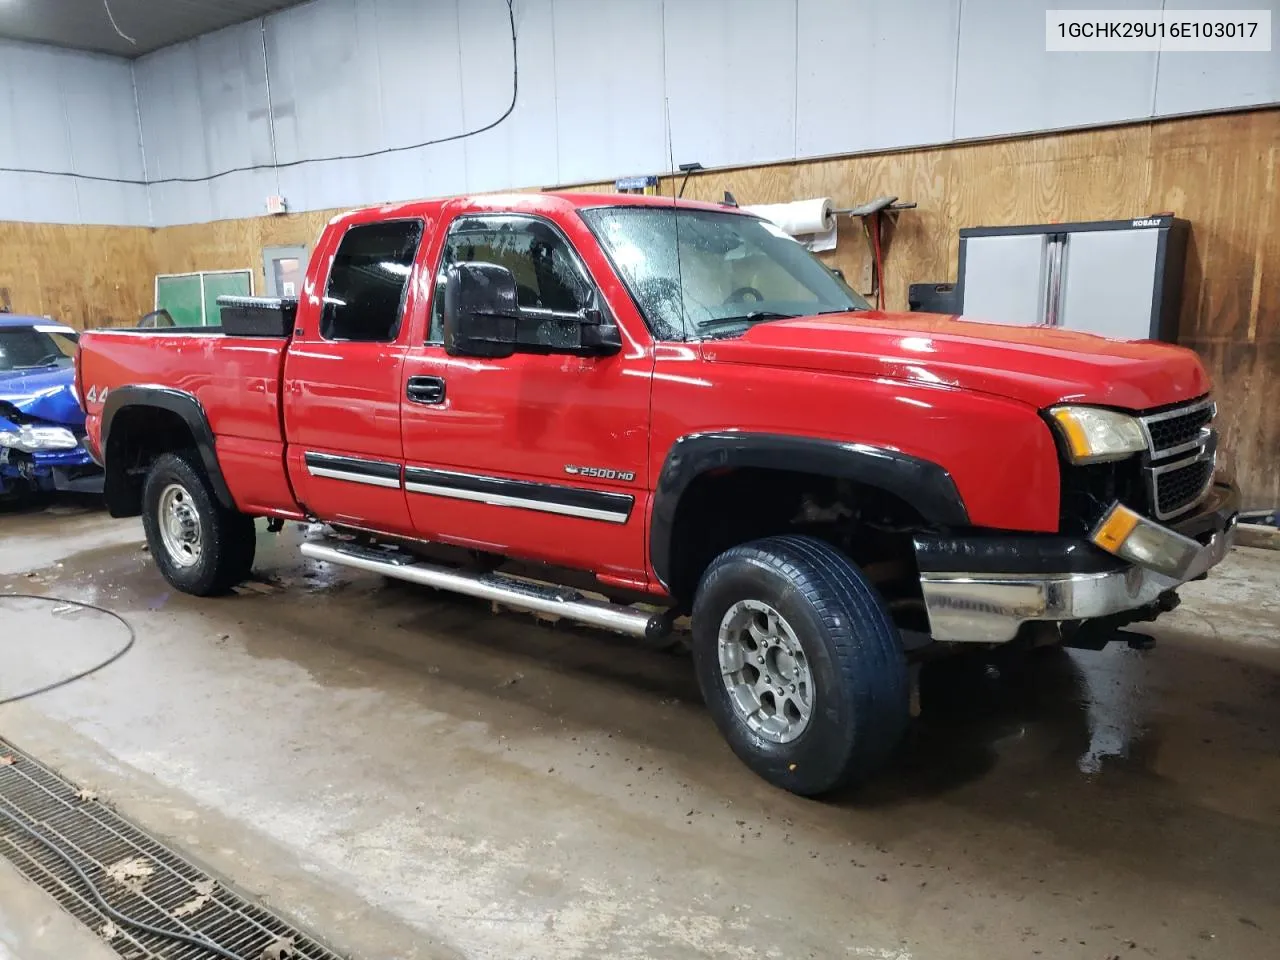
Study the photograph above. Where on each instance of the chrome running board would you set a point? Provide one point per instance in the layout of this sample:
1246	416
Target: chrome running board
495	587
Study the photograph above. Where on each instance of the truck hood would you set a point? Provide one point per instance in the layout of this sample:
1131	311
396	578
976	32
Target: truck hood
45	394
1040	366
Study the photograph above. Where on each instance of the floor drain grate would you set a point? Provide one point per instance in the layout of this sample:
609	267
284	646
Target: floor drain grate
137	875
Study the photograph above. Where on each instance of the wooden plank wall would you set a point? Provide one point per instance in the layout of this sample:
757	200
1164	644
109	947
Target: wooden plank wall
234	244
94	276
1221	172
85	276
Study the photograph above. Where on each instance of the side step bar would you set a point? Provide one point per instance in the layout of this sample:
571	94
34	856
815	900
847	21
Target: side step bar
520	594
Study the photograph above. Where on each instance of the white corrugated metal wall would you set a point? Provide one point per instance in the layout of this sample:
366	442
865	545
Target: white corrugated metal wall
61	110
744	81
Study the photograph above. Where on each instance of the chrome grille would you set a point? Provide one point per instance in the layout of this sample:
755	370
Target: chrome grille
1172	431
1180	485
1182	452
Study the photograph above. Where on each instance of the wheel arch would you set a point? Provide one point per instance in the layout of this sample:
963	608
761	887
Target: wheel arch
141	422
926	487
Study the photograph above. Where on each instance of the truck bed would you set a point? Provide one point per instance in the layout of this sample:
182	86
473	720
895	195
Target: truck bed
236	381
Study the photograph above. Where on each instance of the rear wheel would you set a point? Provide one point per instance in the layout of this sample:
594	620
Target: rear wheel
200	546
799	663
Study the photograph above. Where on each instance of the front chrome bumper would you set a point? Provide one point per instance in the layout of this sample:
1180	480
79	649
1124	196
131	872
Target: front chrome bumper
991	606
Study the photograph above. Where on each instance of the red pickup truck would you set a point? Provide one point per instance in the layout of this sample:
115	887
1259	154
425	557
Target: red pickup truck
669	409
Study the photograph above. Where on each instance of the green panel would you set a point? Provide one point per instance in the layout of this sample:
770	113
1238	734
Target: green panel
223	285
181	297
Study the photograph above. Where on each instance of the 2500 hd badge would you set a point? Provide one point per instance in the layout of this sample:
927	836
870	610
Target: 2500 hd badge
601	473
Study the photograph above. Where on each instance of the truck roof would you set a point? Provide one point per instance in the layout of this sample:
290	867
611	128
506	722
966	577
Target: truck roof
543	203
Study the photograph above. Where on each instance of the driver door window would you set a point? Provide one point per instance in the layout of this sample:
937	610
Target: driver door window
548	277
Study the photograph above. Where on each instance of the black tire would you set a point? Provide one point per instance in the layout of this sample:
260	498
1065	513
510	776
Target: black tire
227	538
860	702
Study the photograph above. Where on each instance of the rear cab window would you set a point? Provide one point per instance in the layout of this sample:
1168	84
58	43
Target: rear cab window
365	293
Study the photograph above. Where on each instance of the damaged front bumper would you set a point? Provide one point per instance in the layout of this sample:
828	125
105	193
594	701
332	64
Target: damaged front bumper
61	471
983	589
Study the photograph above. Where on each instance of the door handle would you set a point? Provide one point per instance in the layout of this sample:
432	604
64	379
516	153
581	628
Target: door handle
425	390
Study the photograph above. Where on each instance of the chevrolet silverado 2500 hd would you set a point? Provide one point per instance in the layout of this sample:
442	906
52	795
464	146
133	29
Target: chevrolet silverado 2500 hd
678	405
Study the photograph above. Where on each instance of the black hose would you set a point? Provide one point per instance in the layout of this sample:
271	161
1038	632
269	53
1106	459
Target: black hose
133	636
382	151
120	918
110	911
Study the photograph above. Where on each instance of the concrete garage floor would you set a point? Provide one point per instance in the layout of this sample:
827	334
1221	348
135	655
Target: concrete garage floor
408	776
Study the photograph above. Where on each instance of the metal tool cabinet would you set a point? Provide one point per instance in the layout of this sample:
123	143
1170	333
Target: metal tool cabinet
1118	278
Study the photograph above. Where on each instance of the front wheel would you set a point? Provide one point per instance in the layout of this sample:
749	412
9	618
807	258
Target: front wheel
200	546
799	663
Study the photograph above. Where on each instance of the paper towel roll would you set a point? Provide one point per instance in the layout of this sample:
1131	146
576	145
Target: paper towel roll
799	218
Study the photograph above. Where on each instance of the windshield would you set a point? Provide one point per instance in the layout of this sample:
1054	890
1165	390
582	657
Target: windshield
700	273
33	348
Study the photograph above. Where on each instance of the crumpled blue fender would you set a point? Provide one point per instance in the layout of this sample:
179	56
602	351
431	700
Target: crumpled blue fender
45	394
48	396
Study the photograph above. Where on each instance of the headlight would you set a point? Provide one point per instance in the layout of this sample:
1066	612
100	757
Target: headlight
30	439
1094	435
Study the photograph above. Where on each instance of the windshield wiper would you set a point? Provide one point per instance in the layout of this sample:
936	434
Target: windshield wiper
752	317
755	315
712	327
737	324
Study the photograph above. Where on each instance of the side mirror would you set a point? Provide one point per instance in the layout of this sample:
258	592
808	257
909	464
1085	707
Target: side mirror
483	318
480	310
600	336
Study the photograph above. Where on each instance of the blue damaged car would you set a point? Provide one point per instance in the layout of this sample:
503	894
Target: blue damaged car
41	422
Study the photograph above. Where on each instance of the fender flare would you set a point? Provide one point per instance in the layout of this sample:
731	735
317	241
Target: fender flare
187	407
925	485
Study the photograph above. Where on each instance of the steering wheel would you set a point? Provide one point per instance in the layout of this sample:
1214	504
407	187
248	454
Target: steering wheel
745	294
